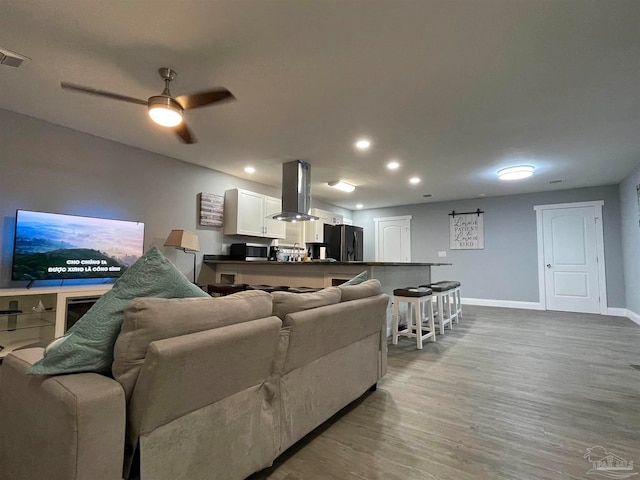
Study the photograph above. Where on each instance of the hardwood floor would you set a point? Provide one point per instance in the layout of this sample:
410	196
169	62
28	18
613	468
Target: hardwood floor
508	394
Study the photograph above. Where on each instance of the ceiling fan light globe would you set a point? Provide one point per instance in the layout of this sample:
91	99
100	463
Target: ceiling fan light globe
165	111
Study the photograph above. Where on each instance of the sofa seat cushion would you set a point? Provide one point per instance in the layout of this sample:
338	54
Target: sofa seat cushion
150	319
89	345
285	303
368	288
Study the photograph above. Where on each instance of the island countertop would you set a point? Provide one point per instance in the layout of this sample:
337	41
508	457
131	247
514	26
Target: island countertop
315	273
323	262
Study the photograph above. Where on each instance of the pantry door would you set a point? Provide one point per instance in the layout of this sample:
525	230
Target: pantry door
393	239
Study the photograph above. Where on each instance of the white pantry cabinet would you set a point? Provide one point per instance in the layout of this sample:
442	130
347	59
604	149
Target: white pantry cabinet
245	213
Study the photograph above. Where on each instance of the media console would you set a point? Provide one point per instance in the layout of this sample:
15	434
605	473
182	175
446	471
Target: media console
39	314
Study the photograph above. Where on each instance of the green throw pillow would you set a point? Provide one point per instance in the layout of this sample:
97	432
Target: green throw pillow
361	277
88	346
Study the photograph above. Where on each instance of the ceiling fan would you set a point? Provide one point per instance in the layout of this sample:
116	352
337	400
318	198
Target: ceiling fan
165	109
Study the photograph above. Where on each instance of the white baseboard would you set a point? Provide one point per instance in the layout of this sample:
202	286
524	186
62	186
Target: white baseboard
484	302
633	316
617	312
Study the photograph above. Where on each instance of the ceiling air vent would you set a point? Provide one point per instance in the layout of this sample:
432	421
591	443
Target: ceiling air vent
11	59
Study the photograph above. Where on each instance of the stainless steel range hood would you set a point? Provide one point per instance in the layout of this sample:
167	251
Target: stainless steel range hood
296	192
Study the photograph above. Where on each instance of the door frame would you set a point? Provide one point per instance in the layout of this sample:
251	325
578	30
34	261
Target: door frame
602	279
377	221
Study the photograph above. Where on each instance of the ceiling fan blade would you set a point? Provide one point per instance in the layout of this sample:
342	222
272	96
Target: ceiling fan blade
202	99
101	93
185	134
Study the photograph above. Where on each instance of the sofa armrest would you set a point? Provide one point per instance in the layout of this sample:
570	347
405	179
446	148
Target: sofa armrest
69	427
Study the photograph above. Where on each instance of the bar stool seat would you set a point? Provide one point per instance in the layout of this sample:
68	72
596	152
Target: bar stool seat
416	299
222	289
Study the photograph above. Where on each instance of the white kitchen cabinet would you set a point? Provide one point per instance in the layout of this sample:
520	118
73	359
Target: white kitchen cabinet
314	231
273	228
245	213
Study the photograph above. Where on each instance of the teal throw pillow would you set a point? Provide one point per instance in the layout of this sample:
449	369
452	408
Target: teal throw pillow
361	277
88	346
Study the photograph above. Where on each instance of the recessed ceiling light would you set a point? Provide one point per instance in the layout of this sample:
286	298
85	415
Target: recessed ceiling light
482	194
249	169
393	165
359	206
414	180
515	173
363	144
340	185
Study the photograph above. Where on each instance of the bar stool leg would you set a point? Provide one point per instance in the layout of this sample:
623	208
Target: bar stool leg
441	312
396	320
451	307
458	304
432	323
418	318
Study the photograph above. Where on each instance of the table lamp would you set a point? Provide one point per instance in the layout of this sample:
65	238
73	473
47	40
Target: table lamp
185	241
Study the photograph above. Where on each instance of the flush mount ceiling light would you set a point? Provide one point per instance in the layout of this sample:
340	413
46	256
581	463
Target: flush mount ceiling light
340	185
363	144
515	173
393	165
359	206
249	169
414	180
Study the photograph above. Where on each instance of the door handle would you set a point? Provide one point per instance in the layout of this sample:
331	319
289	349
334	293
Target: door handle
548	265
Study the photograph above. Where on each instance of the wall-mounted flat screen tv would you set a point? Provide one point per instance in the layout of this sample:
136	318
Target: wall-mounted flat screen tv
52	246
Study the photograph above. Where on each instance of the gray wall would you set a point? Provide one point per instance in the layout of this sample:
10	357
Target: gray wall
630	214
55	169
507	267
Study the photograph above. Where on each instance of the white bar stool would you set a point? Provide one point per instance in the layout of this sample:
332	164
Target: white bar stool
445	313
416	299
453	297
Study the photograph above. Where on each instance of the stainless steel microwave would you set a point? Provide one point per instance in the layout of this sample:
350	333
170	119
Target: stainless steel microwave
248	252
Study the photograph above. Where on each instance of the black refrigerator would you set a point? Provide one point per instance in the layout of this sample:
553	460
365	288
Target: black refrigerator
344	242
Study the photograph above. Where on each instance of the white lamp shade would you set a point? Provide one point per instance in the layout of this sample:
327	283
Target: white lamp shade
183	239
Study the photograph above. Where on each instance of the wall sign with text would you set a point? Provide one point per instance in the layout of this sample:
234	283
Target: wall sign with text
466	231
211	209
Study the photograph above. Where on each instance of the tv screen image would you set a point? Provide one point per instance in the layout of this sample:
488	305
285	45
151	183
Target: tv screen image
52	246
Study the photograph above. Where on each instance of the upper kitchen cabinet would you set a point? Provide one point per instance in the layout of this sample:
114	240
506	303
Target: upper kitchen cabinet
245	213
314	231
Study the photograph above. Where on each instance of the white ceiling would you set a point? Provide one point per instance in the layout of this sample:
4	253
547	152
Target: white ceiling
453	89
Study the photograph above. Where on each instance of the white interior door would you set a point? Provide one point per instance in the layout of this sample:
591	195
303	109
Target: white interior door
571	259
393	239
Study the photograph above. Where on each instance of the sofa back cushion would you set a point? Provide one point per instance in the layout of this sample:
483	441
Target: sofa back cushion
368	288
88	346
150	319
288	302
316	333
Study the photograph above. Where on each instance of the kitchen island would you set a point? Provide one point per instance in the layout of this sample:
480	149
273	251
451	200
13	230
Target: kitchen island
315	273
